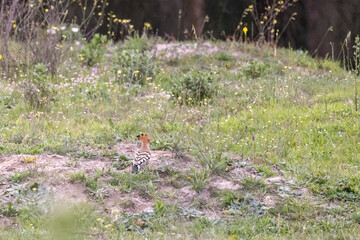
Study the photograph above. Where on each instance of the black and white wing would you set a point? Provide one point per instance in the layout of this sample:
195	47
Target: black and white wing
141	158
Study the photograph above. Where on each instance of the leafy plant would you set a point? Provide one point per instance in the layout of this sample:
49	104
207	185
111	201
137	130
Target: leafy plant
214	161
134	67
30	159
10	211
99	193
162	209
120	162
78	177
137	43
199	179
21	176
128	182
344	189
195	87
265	171
225	59
255	70
250	183
93	52
235	202
39	91
356	216
92	183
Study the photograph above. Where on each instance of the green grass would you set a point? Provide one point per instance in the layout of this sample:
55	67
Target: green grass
127	182
300	119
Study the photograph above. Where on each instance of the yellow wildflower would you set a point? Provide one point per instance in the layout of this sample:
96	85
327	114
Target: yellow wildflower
14	25
245	30
0	57
147	25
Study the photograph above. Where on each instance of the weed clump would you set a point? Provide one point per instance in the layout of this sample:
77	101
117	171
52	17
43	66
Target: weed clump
137	43
93	52
195	87
345	189
255	70
38	91
134	67
198	180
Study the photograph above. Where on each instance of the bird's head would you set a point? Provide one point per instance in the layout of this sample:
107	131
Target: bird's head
144	138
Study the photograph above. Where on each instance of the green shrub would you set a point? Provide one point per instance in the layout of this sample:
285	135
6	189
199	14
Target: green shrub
225	59
224	56
38	91
256	70
93	52
137	43
134	67
195	87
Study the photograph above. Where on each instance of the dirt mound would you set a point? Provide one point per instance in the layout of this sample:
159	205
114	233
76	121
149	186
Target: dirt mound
167	179
175	50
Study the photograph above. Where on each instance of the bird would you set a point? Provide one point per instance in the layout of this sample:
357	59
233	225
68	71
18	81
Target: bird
143	155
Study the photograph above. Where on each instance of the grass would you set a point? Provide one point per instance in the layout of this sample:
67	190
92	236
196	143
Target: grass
128	182
300	119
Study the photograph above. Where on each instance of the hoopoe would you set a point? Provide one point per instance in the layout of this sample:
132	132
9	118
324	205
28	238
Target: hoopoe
142	156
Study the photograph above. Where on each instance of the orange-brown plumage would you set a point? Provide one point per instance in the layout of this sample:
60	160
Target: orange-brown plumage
142	156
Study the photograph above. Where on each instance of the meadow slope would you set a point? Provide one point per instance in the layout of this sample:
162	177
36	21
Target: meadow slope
246	144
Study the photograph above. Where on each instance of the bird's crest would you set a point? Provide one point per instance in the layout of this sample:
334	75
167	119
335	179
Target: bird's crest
143	137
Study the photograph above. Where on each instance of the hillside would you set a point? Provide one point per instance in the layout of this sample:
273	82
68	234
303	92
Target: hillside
246	144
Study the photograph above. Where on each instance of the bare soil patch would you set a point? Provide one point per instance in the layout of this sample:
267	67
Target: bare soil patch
55	171
175	50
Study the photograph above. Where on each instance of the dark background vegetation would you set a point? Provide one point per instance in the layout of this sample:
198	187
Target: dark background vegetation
310	31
